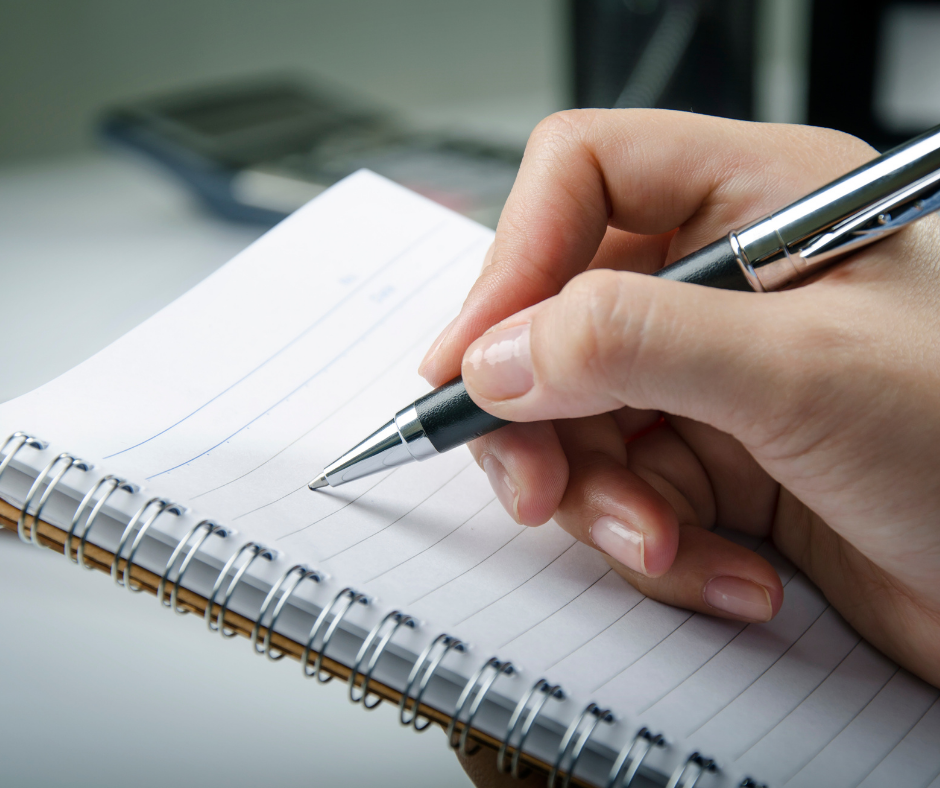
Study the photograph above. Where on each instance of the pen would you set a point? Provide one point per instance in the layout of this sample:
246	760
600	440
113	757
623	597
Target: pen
776	251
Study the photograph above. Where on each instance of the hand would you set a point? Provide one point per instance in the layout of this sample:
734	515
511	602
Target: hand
810	417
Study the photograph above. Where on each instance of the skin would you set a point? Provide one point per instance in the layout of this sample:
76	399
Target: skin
809	417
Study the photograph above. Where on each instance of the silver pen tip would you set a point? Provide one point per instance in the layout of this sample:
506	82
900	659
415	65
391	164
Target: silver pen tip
319	482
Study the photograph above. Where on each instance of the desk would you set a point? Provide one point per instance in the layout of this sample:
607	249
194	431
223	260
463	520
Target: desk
100	687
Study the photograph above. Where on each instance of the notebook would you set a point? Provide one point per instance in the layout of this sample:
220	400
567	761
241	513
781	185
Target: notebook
178	458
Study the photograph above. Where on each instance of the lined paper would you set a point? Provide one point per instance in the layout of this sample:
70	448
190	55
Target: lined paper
235	396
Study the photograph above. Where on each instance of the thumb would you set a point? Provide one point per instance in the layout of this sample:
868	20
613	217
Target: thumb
612	339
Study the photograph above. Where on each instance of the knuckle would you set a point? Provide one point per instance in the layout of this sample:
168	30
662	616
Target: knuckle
597	319
557	132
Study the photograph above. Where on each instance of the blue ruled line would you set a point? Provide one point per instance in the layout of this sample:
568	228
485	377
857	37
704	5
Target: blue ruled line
332	361
294	341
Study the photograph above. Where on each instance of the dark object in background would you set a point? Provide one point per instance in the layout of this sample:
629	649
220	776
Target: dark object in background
673	54
842	67
847	52
871	63
257	151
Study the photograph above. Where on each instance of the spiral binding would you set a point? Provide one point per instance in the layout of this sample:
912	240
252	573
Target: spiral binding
206	529
68	461
396	619
687	774
113	483
339	607
159	507
425	667
523	717
14	443
472	697
292	578
474	685
570	748
631	757
257	551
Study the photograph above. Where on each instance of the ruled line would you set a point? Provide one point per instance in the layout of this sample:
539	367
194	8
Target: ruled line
326	516
295	340
762	673
738	634
900	742
433	544
589	640
640	656
522	530
801	701
520	585
849	722
372	383
669	692
428	497
271	503
329	364
555	612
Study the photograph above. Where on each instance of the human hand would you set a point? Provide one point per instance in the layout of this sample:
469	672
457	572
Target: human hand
810	417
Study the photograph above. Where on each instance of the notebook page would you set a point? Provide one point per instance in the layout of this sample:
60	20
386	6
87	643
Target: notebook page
232	398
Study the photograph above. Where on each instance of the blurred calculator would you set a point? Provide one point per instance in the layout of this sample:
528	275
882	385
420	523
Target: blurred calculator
256	152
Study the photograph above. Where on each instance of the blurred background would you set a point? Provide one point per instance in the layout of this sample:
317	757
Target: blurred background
489	67
142	144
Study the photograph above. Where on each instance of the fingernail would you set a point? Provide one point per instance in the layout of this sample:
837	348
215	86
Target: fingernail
488	257
738	597
434	348
620	541
498	365
502	485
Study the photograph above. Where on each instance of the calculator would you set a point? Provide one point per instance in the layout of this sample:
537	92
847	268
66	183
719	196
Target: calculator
256	151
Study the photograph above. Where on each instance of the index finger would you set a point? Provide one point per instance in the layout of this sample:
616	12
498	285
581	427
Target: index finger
642	171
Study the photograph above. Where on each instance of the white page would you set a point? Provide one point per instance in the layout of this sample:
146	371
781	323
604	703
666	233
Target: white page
232	398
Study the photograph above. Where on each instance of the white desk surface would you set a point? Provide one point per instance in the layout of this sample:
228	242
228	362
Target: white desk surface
99	687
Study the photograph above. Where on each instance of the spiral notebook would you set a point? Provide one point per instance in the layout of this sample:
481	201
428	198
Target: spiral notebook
178	457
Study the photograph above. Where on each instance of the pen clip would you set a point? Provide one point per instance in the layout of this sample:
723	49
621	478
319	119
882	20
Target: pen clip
879	220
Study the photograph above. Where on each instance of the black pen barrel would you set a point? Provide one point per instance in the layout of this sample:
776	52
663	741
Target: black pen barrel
714	265
450	418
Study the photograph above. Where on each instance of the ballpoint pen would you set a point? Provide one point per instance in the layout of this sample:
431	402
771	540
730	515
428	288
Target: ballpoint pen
778	250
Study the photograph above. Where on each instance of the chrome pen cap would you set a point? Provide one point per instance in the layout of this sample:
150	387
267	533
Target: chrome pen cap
863	206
